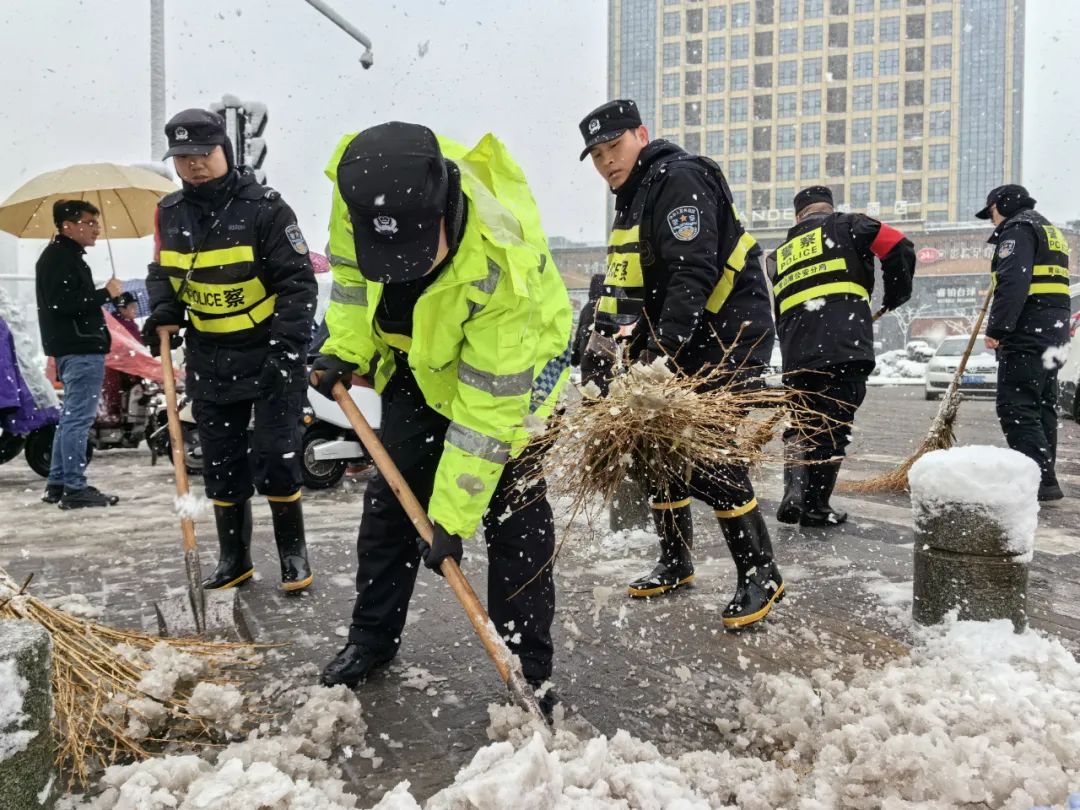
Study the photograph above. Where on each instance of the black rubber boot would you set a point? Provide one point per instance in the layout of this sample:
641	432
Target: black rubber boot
675	566
818	513
234	544
760	585
546	698
353	664
292	549
796	476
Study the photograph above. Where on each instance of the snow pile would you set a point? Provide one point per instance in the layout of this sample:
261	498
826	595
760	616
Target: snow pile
221	704
1003	483
895	365
13	738
76	604
169	668
190	506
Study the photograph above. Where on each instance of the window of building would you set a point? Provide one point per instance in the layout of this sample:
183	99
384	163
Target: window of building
912	190
836	133
762	198
693	52
862	65
860	195
785	137
861	130
888	95
714	142
810	167
860	162
912	158
763	43
714	112
692	142
886	161
762	108
941	57
740	46
765	12
692	114
671	116
736	171
789	40
938	190
916	26
762	139
786	105
939	123
785	168
740	199
886	192
738	141
889	62
838	6
717	49
672	23
913	125
836	101
886	5
740	78
838	68
834	164
941	90
811	102
672	50
789	10
693	21
812	38
939	156
889	29
717	18
762	170
740	15
788	73
738	110
811	134
915	59
811	70
864	6
671	84
693	82
813	8
941	24
913	93
886	128
862	97
838	35
864	32
716	78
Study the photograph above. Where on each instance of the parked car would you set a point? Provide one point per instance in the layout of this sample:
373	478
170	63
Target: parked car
1069	375
919	350
980	376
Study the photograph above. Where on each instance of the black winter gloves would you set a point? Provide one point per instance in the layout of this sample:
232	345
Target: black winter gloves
328	370
443	545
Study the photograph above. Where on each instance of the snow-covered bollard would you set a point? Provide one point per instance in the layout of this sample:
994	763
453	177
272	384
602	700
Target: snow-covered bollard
975	511
27	747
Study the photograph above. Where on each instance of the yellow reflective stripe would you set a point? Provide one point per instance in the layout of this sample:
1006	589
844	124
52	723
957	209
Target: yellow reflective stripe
220	299
207	258
235	323
608	305
721	291
836	288
749	506
624	236
498	385
737	260
1050	287
803	273
284	498
799	249
1056	240
671	504
1050	270
349	294
477	444
624	270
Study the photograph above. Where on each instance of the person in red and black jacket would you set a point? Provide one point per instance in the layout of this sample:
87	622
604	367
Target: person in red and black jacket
822	280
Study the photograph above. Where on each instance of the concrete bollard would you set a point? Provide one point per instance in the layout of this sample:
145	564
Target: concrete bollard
630	508
975	512
27	746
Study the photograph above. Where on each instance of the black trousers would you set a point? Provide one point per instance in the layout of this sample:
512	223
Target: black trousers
233	471
1026	400
519	532
834	397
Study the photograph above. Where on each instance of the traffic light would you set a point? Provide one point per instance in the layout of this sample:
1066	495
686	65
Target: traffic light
244	123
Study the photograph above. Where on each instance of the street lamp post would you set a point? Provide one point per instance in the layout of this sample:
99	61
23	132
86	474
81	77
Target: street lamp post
367	59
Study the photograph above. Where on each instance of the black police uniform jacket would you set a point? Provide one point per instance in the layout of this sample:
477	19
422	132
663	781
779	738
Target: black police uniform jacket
1030	268
239	265
823	280
679	255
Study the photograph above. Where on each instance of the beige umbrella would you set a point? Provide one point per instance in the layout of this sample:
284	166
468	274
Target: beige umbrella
125	195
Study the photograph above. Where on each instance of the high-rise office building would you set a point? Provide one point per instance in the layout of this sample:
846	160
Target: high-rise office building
907	109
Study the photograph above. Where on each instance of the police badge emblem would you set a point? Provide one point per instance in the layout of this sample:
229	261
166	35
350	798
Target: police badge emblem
594	126
1006	248
180	134
384	225
296	239
685	222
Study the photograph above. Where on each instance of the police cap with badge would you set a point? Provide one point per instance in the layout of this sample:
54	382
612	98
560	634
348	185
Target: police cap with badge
607	122
1009	199
194	132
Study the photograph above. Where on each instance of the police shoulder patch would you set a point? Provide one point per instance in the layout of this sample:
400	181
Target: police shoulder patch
1006	248
685	222
296	239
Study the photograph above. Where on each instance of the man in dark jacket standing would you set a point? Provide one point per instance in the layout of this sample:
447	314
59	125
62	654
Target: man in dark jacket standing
73	331
1029	322
684	279
823	279
229	252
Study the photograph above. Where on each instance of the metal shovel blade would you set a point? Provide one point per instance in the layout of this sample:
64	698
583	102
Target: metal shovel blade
222	614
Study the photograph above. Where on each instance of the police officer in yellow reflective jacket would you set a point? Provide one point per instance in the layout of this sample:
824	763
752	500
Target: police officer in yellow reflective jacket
231	263
1028	321
823	278
685	279
445	295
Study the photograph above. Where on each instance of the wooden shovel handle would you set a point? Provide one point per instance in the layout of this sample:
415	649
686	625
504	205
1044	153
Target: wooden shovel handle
176	435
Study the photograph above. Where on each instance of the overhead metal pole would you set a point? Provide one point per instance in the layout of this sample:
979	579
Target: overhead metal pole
367	59
157	80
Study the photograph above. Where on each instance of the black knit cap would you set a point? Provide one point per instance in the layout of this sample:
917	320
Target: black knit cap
811	195
1009	200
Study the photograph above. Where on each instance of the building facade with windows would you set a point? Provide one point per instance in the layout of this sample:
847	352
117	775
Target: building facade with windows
907	109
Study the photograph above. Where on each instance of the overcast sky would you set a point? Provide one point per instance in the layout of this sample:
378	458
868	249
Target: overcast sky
76	89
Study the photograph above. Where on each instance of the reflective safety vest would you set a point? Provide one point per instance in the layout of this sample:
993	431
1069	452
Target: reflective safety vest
629	254
819	260
1050	274
220	281
490	342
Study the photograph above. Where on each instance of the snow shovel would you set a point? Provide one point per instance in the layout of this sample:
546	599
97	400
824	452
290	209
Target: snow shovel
197	612
505	662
